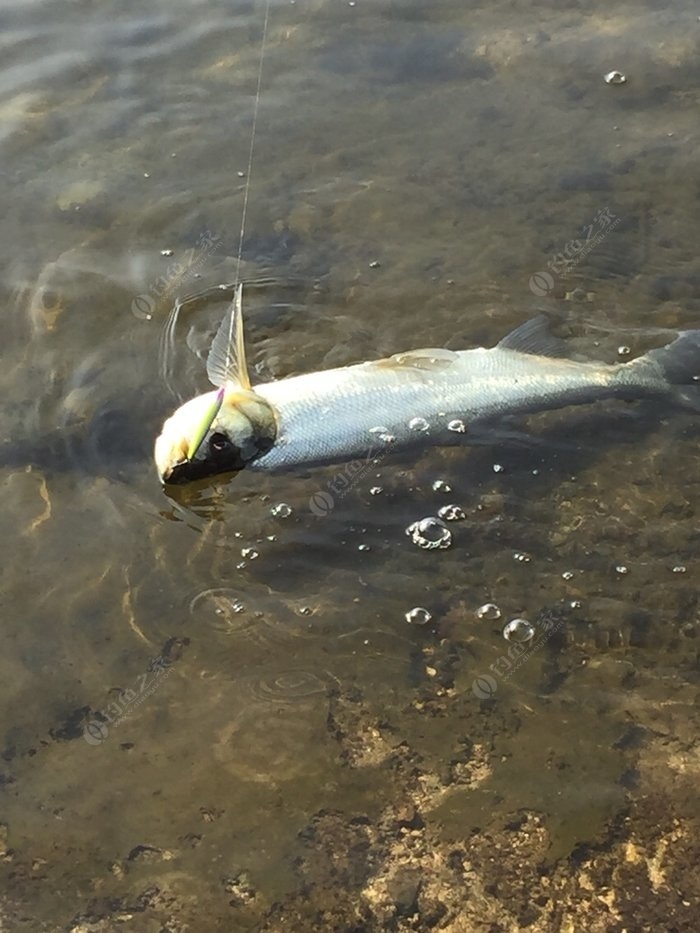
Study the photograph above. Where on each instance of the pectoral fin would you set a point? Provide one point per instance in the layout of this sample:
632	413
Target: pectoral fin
226	362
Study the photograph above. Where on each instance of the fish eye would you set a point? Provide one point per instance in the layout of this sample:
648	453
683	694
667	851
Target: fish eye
219	442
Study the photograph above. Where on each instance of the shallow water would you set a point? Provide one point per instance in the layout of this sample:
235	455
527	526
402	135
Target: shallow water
215	707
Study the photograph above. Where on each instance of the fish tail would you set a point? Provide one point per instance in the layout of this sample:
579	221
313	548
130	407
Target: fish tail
677	369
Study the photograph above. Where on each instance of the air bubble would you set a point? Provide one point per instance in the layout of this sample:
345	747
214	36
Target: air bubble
452	513
489	612
519	630
615	77
383	434
441	486
418	616
281	510
458	426
430	534
418	424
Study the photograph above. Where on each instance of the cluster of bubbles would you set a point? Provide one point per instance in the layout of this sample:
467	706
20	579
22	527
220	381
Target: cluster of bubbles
517	630
452	513
430	533
419	425
441	486
383	434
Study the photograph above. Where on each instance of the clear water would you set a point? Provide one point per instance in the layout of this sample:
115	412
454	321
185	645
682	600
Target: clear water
301	749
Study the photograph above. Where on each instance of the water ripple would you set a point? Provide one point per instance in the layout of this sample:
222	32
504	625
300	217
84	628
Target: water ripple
254	618
291	686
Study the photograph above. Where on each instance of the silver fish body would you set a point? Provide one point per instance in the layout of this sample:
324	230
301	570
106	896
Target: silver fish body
419	398
423	398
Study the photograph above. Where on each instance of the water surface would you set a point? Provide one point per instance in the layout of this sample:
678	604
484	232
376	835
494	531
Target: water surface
216	715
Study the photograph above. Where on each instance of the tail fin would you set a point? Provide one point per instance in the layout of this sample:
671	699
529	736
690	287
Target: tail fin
679	364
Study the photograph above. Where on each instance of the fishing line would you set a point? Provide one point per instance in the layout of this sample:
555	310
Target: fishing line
246	191
168	337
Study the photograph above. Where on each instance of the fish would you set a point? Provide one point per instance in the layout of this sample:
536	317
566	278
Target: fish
418	398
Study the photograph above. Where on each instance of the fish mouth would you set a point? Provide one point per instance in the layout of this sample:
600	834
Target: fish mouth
222	456
189	471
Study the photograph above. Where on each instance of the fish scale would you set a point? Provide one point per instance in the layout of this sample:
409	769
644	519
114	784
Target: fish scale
477	385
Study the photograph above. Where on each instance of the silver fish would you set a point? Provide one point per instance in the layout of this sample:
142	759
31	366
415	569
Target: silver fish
421	397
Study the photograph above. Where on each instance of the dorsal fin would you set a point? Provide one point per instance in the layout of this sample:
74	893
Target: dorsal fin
534	337
226	361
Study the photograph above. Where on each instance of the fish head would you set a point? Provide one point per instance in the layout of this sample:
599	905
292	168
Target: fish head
218	432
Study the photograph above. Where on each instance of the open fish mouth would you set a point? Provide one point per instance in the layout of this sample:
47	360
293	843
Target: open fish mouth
185	472
188	471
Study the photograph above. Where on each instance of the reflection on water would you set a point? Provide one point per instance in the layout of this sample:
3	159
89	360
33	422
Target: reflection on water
344	738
